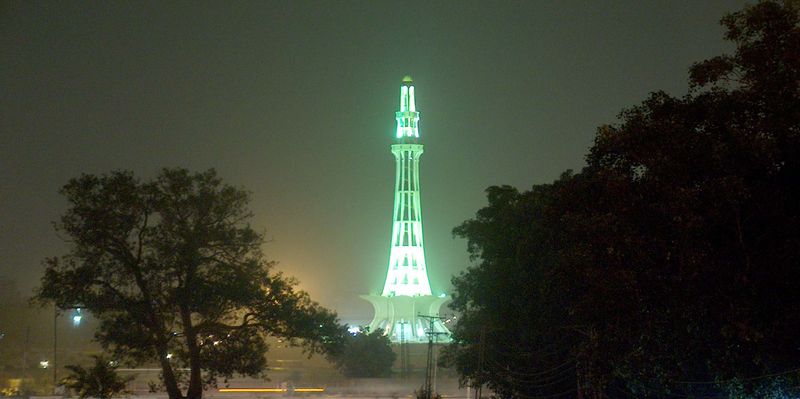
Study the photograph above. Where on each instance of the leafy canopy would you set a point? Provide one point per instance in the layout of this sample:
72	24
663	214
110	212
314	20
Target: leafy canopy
176	276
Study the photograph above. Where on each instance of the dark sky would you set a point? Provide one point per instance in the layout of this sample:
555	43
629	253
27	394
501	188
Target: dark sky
295	101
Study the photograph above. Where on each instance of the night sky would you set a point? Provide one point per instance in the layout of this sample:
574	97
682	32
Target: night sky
295	102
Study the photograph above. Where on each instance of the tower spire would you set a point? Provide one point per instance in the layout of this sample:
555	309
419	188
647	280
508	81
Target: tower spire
407	117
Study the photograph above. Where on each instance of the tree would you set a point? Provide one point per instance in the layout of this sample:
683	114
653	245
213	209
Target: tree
100	381
366	355
514	331
694	203
668	264
176	276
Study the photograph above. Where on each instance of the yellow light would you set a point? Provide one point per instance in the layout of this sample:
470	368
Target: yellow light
274	390
269	390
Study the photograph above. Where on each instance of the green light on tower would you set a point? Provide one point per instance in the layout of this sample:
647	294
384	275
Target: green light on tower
407	292
408	273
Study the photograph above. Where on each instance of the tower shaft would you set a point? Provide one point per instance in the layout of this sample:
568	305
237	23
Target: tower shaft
407	273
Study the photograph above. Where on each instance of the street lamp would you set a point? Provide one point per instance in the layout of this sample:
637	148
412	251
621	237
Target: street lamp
77	316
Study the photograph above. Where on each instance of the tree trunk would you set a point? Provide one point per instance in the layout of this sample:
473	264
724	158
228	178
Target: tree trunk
195	390
170	382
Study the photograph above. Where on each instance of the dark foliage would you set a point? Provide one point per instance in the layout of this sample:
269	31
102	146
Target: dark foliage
366	355
669	265
100	381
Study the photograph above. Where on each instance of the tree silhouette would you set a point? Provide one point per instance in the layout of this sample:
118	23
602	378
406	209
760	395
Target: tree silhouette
667	266
176	276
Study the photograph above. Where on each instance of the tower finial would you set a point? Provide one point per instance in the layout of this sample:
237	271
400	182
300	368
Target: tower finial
407	117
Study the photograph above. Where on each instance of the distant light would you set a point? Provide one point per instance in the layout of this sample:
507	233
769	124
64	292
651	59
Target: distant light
354	330
77	317
442	295
169	355
44	364
270	390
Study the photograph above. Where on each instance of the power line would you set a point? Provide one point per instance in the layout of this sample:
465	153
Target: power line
739	379
539	373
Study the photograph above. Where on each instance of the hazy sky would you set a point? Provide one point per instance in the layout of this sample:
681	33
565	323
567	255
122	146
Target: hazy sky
295	102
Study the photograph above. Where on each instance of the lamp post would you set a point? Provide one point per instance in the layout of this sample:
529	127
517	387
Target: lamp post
77	316
55	349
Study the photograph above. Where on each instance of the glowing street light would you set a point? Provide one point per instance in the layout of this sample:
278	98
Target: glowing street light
76	317
44	364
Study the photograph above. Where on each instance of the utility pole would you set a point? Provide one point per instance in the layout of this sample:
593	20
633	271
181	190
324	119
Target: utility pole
430	369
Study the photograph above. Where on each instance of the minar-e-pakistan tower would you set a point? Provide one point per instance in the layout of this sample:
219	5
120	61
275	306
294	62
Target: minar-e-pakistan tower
407	292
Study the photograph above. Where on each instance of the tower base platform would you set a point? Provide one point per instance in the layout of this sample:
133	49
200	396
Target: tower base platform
399	317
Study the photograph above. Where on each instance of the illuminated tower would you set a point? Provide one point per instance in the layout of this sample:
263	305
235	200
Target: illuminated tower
407	291
407	272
